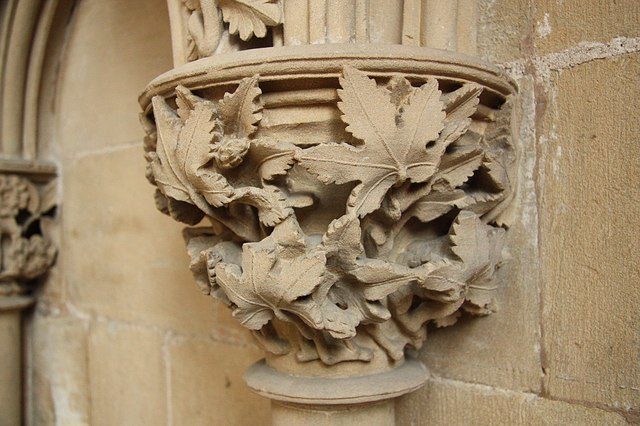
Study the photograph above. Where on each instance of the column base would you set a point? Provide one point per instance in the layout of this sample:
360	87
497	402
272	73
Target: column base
298	400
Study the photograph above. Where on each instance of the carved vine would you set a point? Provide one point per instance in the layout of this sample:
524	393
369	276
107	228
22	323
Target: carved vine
245	19
25	219
416	242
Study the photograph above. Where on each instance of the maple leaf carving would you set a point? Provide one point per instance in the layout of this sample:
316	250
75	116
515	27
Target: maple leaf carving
477	248
181	153
271	157
280	277
199	132
370	280
239	112
396	149
260	292
250	17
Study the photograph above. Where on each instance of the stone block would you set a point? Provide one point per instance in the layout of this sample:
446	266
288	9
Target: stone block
444	402
504	29
114	48
589	222
563	24
126	368
207	386
124	259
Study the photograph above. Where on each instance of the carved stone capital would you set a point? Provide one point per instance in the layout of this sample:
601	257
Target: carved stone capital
348	193
26	251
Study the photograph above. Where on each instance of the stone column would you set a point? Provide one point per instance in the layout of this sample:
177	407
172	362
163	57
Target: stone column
27	202
346	183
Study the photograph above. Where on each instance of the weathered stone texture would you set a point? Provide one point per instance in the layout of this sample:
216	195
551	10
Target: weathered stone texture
444	402
151	357
504	29
468	352
59	382
589	238
115	47
127	383
207	386
122	259
563	24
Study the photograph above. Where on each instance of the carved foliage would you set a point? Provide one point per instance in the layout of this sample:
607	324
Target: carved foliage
246	18
25	250
398	147
194	150
412	246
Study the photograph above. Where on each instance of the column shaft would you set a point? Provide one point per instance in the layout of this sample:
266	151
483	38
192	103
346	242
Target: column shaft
375	414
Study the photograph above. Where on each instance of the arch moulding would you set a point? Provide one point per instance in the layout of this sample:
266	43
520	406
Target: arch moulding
31	41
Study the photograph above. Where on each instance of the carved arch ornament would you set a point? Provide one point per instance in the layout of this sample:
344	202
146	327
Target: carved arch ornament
341	195
26	251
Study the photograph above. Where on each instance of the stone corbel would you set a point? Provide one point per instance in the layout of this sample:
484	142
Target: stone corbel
352	185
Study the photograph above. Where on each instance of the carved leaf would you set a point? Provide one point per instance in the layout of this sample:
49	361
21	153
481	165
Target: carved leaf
260	291
199	241
269	201
421	122
182	151
436	204
380	278
374	279
463	102
392	153
271	157
373	125
193	151
342	241
166	177
241	110
249	17
456	171
184	170
477	247
501	160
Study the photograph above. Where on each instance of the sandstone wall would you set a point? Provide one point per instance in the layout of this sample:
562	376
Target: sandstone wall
121	335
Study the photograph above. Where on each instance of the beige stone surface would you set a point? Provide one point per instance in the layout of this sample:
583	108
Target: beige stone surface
451	403
563	24
504	29
589	239
125	261
126	338
207	386
59	371
378	414
126	370
10	366
114	48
